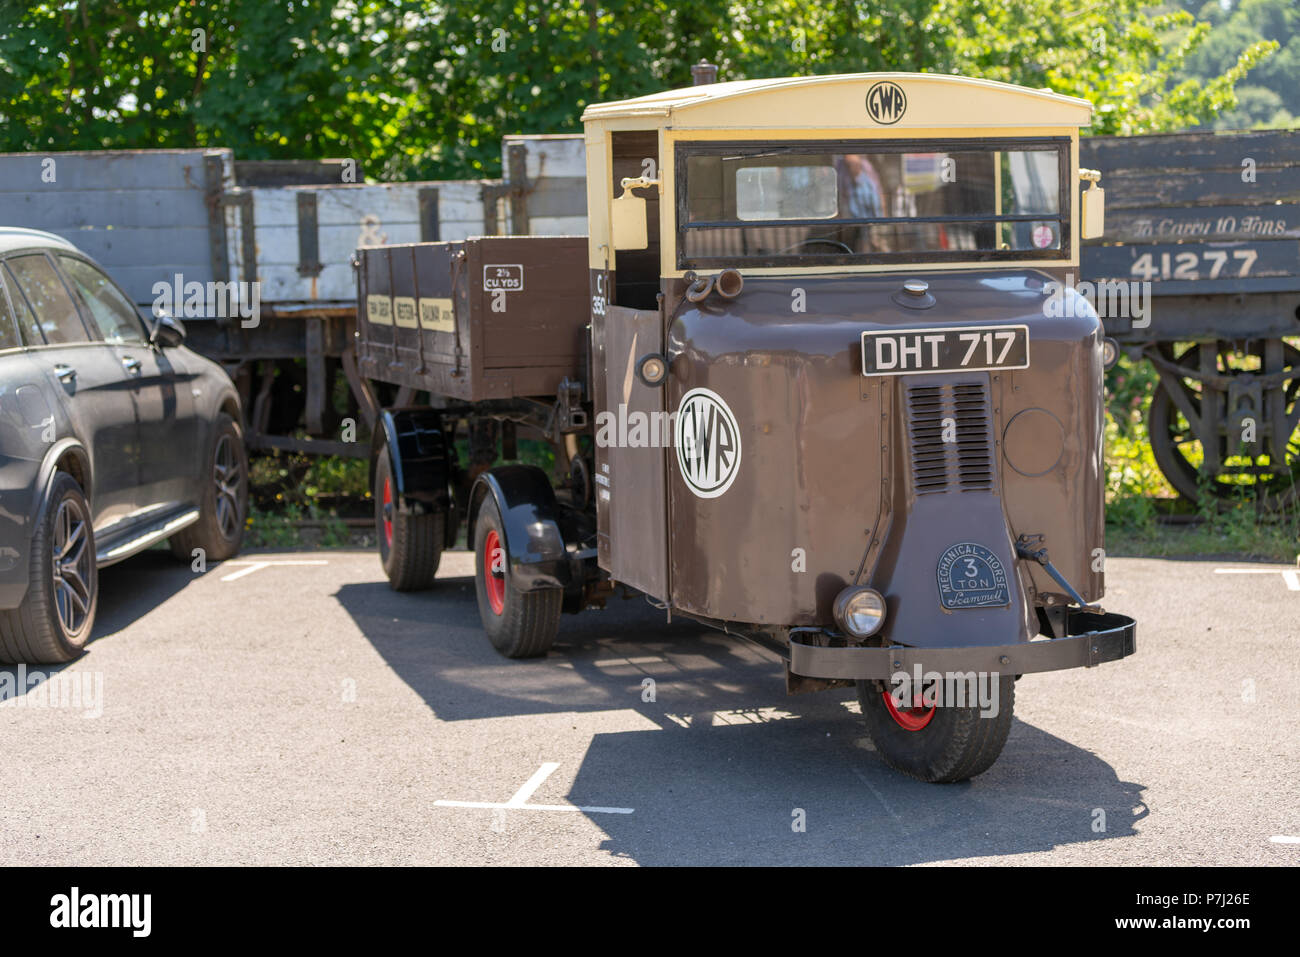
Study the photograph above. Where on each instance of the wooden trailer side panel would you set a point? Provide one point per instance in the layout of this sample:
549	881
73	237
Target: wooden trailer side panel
494	317
530	312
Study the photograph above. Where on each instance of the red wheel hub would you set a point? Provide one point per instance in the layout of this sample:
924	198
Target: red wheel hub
909	719
387	510
494	572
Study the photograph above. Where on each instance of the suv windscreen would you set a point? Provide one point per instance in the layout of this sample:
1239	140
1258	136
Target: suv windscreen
55	319
849	203
116	318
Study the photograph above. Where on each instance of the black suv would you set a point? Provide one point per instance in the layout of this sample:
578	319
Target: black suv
113	437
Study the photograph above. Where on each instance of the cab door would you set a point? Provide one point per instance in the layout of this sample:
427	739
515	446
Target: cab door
632	433
160	387
86	377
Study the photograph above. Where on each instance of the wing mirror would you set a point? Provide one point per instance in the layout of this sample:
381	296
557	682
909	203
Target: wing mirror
167	331
1092	209
628	215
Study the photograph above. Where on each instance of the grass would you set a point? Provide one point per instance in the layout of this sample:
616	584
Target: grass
302	501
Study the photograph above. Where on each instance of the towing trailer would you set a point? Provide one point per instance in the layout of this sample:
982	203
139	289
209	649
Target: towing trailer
824	384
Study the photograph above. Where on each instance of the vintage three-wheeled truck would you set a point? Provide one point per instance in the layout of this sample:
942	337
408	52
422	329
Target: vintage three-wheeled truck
814	377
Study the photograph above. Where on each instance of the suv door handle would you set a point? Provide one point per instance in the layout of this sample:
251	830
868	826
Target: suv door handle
132	364
65	373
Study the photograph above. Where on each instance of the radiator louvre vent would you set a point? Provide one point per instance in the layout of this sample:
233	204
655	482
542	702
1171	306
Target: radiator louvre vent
965	464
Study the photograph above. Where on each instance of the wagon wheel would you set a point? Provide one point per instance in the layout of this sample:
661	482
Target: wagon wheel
1249	469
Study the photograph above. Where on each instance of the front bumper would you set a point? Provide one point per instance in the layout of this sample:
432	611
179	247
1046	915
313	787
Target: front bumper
1091	640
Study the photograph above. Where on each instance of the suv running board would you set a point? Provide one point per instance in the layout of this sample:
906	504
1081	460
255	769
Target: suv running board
146	536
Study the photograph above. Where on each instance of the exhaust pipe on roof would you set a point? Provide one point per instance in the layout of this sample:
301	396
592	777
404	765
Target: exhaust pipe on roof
704	72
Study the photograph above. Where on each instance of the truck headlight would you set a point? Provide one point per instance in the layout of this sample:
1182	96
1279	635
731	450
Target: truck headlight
859	610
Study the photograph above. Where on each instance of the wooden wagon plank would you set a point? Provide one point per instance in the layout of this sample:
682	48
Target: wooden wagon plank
1173	268
110	169
1189	151
1162	187
1145	224
560	154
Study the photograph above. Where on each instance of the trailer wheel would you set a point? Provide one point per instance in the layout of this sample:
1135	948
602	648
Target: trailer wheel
410	545
520	624
938	745
1179	449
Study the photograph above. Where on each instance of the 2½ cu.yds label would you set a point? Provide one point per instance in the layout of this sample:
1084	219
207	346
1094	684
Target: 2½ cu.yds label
503	278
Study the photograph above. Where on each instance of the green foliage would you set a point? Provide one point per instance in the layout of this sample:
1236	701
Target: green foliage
1272	98
414	88
270	78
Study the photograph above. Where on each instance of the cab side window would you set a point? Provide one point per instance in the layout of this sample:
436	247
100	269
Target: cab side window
55	319
109	310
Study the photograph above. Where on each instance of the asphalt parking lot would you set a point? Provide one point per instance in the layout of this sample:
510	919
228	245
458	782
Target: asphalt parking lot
291	709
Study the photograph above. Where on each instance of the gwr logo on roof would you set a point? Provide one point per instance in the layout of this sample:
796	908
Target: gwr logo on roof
886	103
708	443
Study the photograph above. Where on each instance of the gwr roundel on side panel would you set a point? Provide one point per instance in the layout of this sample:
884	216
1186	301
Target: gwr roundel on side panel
708	443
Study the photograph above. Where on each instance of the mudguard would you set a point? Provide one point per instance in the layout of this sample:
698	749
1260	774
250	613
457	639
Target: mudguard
417	449
15	552
50	465
534	543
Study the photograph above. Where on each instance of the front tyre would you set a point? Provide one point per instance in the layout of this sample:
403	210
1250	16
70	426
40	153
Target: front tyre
56	616
520	624
937	745
223	498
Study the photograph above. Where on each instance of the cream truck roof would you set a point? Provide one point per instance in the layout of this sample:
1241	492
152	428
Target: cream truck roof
932	100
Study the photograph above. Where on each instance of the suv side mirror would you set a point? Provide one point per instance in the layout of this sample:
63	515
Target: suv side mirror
167	331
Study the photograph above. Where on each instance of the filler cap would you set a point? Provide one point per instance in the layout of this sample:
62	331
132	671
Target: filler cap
915	295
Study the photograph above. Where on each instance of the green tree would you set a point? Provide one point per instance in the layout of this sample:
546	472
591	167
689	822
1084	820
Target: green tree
417	88
271	78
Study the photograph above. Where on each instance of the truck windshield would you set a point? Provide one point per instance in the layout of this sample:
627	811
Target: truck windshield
815	203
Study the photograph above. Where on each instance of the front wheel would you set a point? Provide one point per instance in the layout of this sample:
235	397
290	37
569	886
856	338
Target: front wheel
938	744
223	498
520	624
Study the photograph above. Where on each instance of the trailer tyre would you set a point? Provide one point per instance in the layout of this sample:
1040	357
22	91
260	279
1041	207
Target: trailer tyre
410	545
938	745
520	624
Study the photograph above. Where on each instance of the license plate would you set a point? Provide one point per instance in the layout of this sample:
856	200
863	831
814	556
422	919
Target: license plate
945	349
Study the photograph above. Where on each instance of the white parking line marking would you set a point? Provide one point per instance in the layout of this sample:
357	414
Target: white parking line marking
532	784
520	800
1289	576
1284	839
254	566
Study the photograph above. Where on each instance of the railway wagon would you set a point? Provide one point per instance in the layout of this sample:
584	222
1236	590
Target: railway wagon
1198	272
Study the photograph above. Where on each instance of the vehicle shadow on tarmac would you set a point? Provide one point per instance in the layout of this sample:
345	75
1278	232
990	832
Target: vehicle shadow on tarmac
734	763
128	591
